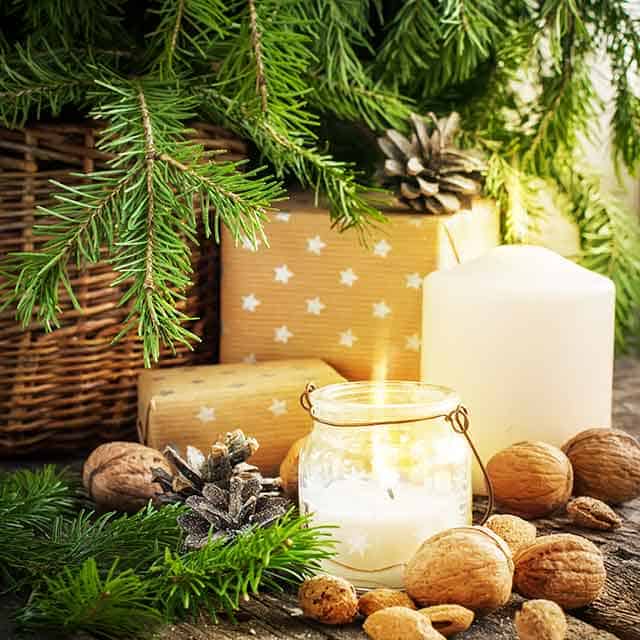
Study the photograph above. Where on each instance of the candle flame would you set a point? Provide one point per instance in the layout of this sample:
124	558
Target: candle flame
380	370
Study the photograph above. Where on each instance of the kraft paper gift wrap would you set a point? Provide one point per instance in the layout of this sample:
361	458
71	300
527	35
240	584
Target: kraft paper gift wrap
194	405
318	293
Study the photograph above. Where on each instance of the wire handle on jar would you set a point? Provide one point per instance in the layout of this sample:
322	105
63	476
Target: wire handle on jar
458	419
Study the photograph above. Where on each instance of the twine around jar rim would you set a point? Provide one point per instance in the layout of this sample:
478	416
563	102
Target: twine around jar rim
458	418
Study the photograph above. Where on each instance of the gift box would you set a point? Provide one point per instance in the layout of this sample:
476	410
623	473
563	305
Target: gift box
193	405
314	292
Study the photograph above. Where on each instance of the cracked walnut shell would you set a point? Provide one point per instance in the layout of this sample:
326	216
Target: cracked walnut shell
593	514
606	464
399	623
469	566
328	599
118	476
449	619
531	479
541	620
562	567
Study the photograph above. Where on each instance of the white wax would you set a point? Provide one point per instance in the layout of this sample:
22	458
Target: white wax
526	339
379	530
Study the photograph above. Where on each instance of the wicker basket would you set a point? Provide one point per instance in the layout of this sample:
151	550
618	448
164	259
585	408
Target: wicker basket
72	388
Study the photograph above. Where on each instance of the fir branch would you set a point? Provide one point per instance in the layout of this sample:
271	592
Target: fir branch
411	44
184	33
611	246
115	605
256	45
77	228
220	576
32	83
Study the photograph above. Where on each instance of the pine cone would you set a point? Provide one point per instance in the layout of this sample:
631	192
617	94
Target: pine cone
427	172
226	495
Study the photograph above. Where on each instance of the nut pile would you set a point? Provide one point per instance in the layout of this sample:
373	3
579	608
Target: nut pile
465	570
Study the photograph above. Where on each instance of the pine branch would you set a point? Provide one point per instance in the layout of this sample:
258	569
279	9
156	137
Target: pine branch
256	45
611	246
184	33
117	605
348	207
32	83
220	576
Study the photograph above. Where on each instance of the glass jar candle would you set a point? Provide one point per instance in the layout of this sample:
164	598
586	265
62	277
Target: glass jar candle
385	466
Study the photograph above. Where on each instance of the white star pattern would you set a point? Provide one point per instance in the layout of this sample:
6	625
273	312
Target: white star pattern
283	216
347	338
348	277
250	303
278	407
314	306
250	358
412	343
357	542
206	414
414	281
249	244
315	245
415	221
282	334
381	309
381	248
282	274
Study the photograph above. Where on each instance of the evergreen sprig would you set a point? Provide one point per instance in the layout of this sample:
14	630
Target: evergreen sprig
118	576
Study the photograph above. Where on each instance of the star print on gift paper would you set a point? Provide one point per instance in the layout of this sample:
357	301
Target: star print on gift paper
381	248
414	281
282	274
283	216
347	338
381	309
250	302
282	334
206	414
415	221
412	343
348	277
357	542
250	358
314	306
249	244
315	245
278	407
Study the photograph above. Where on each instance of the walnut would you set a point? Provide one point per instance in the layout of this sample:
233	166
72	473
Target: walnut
377	599
562	567
117	475
449	619
469	566
516	532
531	479
328	599
289	468
541	620
399	623
593	514
606	464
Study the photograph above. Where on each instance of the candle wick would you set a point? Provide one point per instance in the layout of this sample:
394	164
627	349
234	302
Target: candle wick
390	492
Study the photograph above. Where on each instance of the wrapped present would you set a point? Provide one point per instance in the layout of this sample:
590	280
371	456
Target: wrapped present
193	405
315	292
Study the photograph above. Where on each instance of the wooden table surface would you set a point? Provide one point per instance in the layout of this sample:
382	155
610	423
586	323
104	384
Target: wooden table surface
616	613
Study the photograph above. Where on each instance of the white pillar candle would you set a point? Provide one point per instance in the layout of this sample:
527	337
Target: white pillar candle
526	337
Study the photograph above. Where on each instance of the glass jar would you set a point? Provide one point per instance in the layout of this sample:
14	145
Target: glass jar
383	465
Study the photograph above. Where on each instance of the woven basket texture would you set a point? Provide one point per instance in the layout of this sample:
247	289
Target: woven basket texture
73	388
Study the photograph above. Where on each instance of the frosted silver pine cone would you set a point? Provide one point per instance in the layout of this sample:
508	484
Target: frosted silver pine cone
427	172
